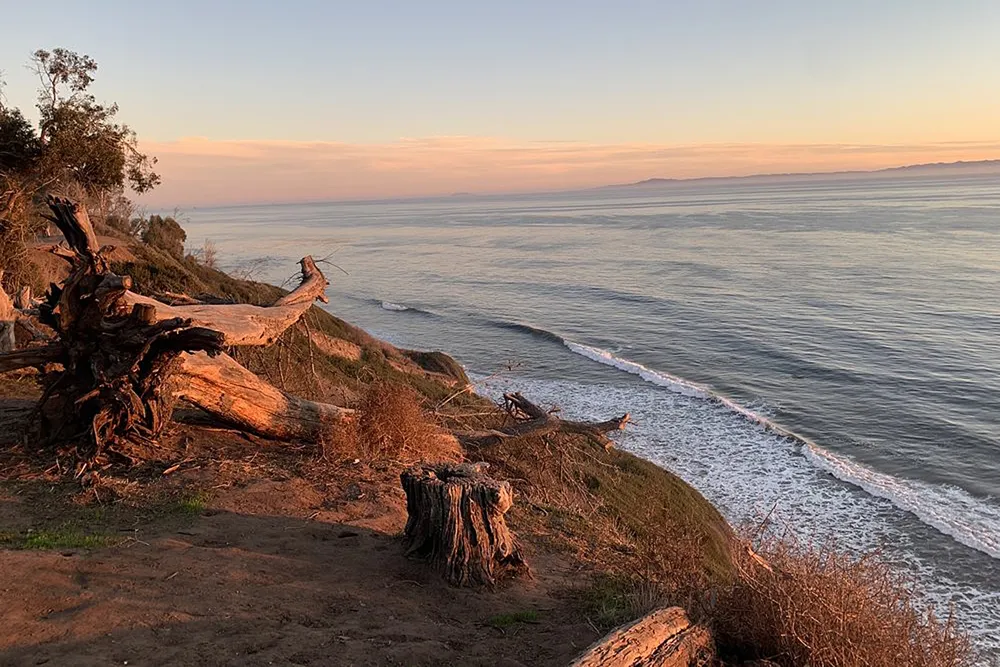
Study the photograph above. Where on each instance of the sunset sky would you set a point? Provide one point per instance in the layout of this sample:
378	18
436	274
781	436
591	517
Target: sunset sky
255	101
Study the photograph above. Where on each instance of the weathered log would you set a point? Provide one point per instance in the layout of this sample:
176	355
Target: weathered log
664	638
455	520
245	324
530	419
228	391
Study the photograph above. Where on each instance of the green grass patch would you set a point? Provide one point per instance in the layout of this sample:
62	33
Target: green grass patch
648	501
66	537
189	505
610	601
504	621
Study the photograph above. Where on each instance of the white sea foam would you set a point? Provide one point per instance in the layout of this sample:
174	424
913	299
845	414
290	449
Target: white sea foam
389	305
747	470
671	382
972	522
951	510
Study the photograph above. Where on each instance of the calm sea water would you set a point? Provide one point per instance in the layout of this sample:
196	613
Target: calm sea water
861	315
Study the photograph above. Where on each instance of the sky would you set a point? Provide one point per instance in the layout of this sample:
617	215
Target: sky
263	101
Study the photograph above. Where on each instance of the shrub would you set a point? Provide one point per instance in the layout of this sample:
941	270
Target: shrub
392	427
166	234
795	604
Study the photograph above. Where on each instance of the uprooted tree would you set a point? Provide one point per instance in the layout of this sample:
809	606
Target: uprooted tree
121	361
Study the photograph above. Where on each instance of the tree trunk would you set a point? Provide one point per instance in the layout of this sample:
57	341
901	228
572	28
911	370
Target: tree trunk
664	638
245	324
228	391
456	521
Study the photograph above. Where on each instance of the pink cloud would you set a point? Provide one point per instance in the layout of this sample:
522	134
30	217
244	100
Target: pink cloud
198	171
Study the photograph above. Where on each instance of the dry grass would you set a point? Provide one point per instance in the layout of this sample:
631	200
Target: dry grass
392	427
797	604
625	518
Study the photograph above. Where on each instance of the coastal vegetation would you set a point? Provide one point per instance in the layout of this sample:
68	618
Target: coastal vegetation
309	525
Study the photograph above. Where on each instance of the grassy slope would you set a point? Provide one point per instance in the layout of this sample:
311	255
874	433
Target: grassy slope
635	513
619	517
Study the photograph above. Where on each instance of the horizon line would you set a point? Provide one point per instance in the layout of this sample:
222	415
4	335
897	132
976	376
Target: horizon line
647	182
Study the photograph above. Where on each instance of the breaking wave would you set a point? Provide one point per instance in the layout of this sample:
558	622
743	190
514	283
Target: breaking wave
952	511
389	305
395	307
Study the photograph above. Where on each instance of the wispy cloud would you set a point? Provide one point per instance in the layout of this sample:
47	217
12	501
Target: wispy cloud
202	171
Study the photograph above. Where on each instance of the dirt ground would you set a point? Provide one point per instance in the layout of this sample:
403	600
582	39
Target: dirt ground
271	568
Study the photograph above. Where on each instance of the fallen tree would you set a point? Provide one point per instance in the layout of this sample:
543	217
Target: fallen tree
121	361
529	419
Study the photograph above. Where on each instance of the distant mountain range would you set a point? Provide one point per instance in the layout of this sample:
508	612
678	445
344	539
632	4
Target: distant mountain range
929	169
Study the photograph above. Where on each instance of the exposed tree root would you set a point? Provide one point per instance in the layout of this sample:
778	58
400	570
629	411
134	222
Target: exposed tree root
126	359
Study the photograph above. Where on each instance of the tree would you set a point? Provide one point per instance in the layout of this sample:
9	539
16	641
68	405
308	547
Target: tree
166	234
65	77
81	141
19	145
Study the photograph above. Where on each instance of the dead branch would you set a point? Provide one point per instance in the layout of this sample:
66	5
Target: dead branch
32	357
175	299
530	419
245	324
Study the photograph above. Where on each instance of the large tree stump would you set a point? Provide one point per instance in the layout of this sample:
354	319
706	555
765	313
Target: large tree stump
456	521
664	638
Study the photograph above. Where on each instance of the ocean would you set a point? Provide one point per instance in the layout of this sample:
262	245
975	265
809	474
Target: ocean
825	349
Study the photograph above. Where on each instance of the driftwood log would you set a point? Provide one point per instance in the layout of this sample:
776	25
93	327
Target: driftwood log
222	387
245	324
664	638
455	520
530	419
126	359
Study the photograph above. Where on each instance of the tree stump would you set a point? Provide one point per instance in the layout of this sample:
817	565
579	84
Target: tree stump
456	521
